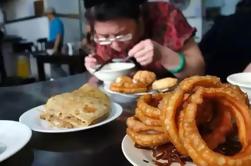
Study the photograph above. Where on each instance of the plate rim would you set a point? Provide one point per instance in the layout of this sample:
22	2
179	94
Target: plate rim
134	163
117	112
232	76
25	141
125	138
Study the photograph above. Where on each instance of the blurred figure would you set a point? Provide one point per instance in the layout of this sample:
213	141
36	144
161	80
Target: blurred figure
56	31
55	41
227	46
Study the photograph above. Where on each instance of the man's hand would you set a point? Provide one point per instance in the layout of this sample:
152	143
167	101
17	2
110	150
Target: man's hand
90	61
146	52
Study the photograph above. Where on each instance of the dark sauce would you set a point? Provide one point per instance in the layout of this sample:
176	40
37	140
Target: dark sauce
230	148
167	154
154	102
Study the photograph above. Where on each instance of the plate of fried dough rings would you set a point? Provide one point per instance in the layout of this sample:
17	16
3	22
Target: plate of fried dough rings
201	122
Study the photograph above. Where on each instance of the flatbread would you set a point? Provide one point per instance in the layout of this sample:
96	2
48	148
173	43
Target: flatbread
79	108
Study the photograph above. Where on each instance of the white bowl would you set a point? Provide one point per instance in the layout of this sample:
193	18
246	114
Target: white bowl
243	80
111	71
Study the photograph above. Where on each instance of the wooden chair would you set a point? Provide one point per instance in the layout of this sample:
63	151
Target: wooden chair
42	43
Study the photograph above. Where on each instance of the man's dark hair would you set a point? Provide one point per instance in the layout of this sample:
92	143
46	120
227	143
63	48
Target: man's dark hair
104	10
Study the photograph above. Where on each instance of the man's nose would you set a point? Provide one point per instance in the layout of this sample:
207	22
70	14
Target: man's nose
115	45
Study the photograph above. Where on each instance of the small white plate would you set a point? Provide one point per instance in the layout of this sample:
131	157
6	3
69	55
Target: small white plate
32	119
13	137
138	156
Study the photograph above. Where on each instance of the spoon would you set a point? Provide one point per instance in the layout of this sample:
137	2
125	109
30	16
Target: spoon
102	65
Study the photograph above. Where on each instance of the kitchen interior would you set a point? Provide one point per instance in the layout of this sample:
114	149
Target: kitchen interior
24	23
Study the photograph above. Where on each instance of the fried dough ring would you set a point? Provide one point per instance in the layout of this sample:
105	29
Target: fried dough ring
148	139
174	103
221	129
196	146
190	83
137	126
145	119
237	92
145	104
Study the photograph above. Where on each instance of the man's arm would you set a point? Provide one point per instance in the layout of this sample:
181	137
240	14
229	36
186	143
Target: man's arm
57	42
195	64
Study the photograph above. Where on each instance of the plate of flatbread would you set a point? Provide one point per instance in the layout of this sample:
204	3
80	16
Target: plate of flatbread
81	109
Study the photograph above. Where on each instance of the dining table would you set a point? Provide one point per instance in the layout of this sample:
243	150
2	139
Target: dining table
93	147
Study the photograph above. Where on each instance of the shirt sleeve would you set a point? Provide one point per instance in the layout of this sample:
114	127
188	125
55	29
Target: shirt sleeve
178	31
58	27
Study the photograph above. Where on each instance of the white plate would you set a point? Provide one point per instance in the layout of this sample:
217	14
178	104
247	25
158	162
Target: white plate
31	119
134	155
140	157
13	137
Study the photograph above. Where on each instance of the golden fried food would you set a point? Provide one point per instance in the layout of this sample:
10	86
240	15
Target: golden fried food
174	104
129	88
197	148
164	83
139	113
221	129
140	82
204	100
79	108
149	105
123	79
145	128
125	84
148	139
136	125
198	117
145	77
190	83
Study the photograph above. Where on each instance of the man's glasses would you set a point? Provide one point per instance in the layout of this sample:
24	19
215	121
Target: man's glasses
108	41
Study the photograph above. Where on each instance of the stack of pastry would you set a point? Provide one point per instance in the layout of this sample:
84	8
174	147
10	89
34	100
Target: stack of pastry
79	108
142	81
145	127
203	119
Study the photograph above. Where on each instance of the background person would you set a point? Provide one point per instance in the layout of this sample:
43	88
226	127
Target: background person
56	31
55	41
227	45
